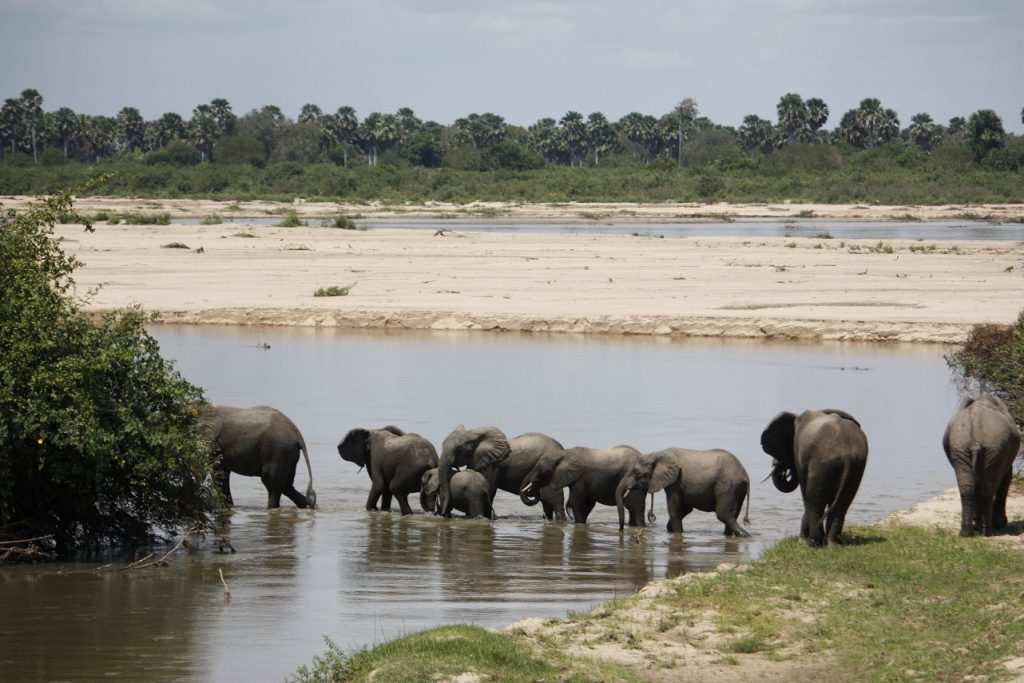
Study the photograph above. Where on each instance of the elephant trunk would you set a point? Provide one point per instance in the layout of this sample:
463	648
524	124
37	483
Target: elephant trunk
784	478
652	518
444	486
620	494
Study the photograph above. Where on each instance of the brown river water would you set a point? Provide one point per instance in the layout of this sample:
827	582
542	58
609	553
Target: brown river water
362	578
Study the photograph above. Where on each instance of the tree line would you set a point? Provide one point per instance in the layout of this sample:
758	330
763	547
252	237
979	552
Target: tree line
478	141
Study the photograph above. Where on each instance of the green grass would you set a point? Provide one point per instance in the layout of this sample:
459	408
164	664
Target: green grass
443	653
291	220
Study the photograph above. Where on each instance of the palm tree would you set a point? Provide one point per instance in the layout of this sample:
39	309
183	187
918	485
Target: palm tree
888	127
65	127
379	131
544	138
984	133
224	117
793	116
687	111
573	133
600	135
169	127
639	130
31	106
406	123
817	113
922	132
9	118
202	130
131	129
757	134
345	126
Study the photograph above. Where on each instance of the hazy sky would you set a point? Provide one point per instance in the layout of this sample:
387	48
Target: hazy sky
521	60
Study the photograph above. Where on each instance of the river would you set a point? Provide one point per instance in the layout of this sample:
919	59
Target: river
361	578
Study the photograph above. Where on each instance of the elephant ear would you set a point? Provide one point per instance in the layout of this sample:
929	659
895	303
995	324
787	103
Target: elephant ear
777	439
354	447
568	471
841	413
666	472
491	448
397	431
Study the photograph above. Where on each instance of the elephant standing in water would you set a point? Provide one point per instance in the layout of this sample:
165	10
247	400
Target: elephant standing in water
471	492
524	452
710	481
981	442
258	442
478	449
394	460
824	452
593	476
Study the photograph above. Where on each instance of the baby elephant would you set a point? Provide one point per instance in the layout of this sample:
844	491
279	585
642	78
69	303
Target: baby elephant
471	493
710	481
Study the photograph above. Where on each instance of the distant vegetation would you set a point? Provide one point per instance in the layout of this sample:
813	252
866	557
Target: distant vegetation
992	361
680	156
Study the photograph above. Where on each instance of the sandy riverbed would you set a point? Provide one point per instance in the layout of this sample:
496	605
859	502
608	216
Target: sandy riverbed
708	286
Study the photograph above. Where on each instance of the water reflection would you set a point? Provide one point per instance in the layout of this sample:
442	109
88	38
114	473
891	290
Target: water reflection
362	577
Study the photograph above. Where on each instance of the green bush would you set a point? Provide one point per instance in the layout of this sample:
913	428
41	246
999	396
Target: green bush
344	222
241	149
992	361
333	291
52	156
176	153
98	436
291	220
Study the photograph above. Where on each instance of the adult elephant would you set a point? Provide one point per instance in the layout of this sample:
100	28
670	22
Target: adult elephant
981	442
524	452
709	481
824	453
478	449
258	442
471	492
394	460
592	475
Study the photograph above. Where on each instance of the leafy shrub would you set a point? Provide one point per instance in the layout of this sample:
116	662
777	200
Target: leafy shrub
176	153
52	156
241	149
333	291
291	220
98	436
344	222
992	361
422	150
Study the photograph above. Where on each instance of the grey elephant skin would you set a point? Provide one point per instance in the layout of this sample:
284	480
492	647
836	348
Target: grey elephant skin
394	460
592	475
524	452
709	481
258	442
824	452
471	492
480	449
981	442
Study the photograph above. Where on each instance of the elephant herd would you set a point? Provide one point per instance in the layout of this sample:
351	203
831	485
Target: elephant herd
823	452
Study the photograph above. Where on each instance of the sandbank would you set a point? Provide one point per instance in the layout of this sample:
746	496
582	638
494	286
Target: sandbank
455	278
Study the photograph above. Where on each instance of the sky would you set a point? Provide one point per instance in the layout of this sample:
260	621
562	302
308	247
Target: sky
521	60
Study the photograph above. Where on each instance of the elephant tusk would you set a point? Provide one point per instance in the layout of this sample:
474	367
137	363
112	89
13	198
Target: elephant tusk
626	492
767	476
359	470
527	487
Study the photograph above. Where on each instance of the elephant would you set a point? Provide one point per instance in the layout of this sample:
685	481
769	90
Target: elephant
471	492
593	476
710	481
824	452
981	442
258	442
478	449
394	460
524	452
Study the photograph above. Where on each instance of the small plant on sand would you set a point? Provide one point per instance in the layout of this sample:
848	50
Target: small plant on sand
291	220
340	221
215	219
333	291
791	245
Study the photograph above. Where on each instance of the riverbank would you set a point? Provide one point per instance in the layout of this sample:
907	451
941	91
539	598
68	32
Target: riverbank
906	599
795	288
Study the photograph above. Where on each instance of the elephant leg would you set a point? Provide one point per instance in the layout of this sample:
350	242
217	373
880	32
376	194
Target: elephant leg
965	482
677	509
385	499
403	504
553	502
225	486
296	497
727	516
376	488
581	509
811	528
999	520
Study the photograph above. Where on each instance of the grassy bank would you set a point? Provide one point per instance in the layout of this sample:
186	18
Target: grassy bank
863	177
895	603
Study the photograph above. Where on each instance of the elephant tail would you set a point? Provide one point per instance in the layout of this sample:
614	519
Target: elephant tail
750	493
310	493
843	483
